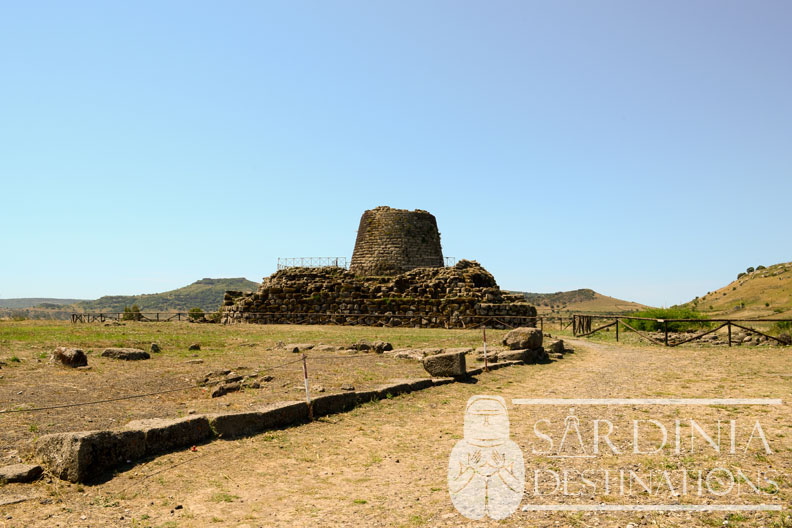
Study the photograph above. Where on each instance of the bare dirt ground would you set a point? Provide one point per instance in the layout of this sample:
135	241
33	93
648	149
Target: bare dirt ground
385	463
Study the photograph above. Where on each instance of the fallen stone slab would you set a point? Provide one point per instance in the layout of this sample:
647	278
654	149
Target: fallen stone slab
233	425
127	354
164	435
502	364
413	353
392	389
282	414
381	346
513	355
537	355
442	381
327	348
333	403
20	473
79	457
406	353
69	357
415	384
555	346
298	347
524	337
225	388
367	396
445	365
419	384
457	350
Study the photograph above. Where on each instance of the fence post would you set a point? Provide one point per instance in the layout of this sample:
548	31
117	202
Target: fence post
307	391
541	323
728	325
665	329
617	329
486	363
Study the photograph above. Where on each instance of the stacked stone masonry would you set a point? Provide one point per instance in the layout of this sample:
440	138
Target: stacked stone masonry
460	296
392	241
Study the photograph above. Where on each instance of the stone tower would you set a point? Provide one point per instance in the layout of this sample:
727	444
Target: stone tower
391	241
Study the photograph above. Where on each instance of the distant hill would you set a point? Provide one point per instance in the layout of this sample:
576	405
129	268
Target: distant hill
206	294
760	292
584	300
35	301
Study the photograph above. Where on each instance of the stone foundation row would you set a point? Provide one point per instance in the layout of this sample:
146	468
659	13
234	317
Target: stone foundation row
86	456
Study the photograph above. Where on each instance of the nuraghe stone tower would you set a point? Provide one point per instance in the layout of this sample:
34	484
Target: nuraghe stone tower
396	278
392	241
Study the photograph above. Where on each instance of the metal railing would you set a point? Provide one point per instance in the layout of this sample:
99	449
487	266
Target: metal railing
312	262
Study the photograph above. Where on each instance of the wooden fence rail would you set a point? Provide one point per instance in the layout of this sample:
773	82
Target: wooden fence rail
581	327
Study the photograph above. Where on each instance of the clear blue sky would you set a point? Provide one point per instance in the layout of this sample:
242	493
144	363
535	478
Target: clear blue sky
643	149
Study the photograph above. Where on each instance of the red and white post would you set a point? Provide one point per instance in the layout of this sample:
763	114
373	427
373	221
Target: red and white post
307	389
486	362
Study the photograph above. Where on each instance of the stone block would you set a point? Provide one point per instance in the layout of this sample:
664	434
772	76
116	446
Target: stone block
333	403
81	456
20	473
523	338
127	354
163	435
446	364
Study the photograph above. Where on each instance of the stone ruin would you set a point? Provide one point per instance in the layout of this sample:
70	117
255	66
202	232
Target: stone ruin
396	278
393	241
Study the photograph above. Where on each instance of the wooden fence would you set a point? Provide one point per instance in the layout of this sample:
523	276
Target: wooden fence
582	326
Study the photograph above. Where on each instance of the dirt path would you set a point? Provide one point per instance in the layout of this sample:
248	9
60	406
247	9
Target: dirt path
385	464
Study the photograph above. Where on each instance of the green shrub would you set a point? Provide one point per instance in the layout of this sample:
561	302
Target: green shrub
782	326
741	275
750	270
131	314
760	268
195	314
667	313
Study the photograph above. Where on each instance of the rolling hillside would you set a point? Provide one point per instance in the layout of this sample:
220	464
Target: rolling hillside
757	293
29	302
584	300
206	294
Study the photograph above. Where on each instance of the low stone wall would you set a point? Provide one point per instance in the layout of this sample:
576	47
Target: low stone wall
87	456
455	297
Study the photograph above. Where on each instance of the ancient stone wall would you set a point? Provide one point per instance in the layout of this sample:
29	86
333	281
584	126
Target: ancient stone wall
460	296
392	241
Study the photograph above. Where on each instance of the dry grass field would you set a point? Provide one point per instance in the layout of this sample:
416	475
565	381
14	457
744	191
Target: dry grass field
385	463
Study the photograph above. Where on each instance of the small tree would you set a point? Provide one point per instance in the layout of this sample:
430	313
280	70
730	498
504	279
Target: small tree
195	314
